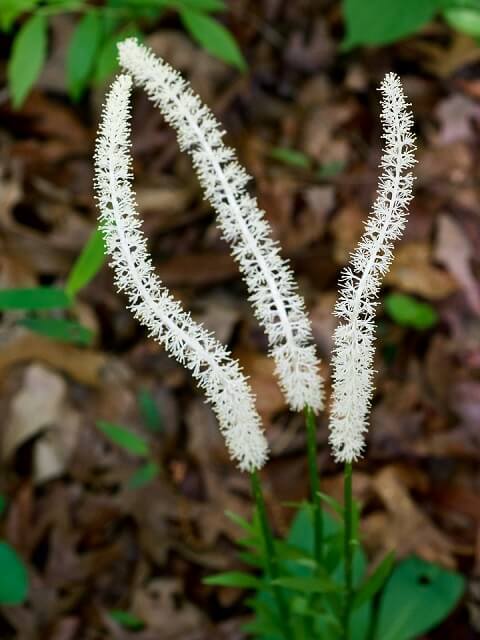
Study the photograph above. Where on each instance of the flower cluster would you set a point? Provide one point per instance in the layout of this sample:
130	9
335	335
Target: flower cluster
191	344
270	282
360	281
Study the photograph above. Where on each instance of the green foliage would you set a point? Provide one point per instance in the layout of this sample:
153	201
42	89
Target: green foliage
59	329
13	577
213	37
464	17
144	475
83	52
417	597
409	312
127	619
28	56
33	299
412	597
291	157
92	53
124	438
88	264
149	410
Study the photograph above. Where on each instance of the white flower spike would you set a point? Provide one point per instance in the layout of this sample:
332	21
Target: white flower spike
270	282
360	281
193	346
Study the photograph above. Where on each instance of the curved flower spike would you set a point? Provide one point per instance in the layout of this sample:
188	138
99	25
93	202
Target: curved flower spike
193	346
360	281
270	282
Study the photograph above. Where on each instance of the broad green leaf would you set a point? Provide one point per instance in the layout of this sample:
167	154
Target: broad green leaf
375	582
82	52
87	265
292	157
34	299
417	597
127	619
10	10
234	579
107	62
464	19
406	311
27	57
144	475
213	37
149	410
308	584
378	22
124	438
59	329
13	576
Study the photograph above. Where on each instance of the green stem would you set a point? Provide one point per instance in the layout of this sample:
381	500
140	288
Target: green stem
348	547
314	484
270	555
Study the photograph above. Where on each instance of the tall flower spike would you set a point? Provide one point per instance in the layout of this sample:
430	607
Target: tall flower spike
270	282
361	280
194	347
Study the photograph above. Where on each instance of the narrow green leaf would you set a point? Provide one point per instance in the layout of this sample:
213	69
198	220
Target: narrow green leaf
406	311
87	265
308	584
234	579
10	10
59	329
213	37
418	596
241	522
27	58
34	299
332	503
127	619
291	157
124	438
144	475
375	582
82	52
330	169
377	22
149	410
13	576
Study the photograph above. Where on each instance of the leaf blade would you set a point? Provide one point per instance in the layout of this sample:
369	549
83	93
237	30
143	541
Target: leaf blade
124	438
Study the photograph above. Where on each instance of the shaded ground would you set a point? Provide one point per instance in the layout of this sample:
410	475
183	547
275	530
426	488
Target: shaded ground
93	544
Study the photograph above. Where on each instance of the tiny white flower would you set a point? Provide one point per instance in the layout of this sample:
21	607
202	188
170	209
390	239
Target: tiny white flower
191	344
361	280
269	278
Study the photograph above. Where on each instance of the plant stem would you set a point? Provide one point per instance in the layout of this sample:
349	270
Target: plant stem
314	484
270	555
348	547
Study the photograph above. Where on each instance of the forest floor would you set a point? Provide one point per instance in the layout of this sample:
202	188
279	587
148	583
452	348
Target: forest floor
93	543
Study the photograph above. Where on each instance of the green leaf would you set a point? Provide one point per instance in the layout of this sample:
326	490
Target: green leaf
124	438
27	58
127	619
34	299
418	596
107	62
144	475
13	577
375	582
241	522
406	311
149	410
308	584
10	10
377	22
292	157
234	579
213	37
330	169
59	329
464	19
87	265
82	52
3	504
200	5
